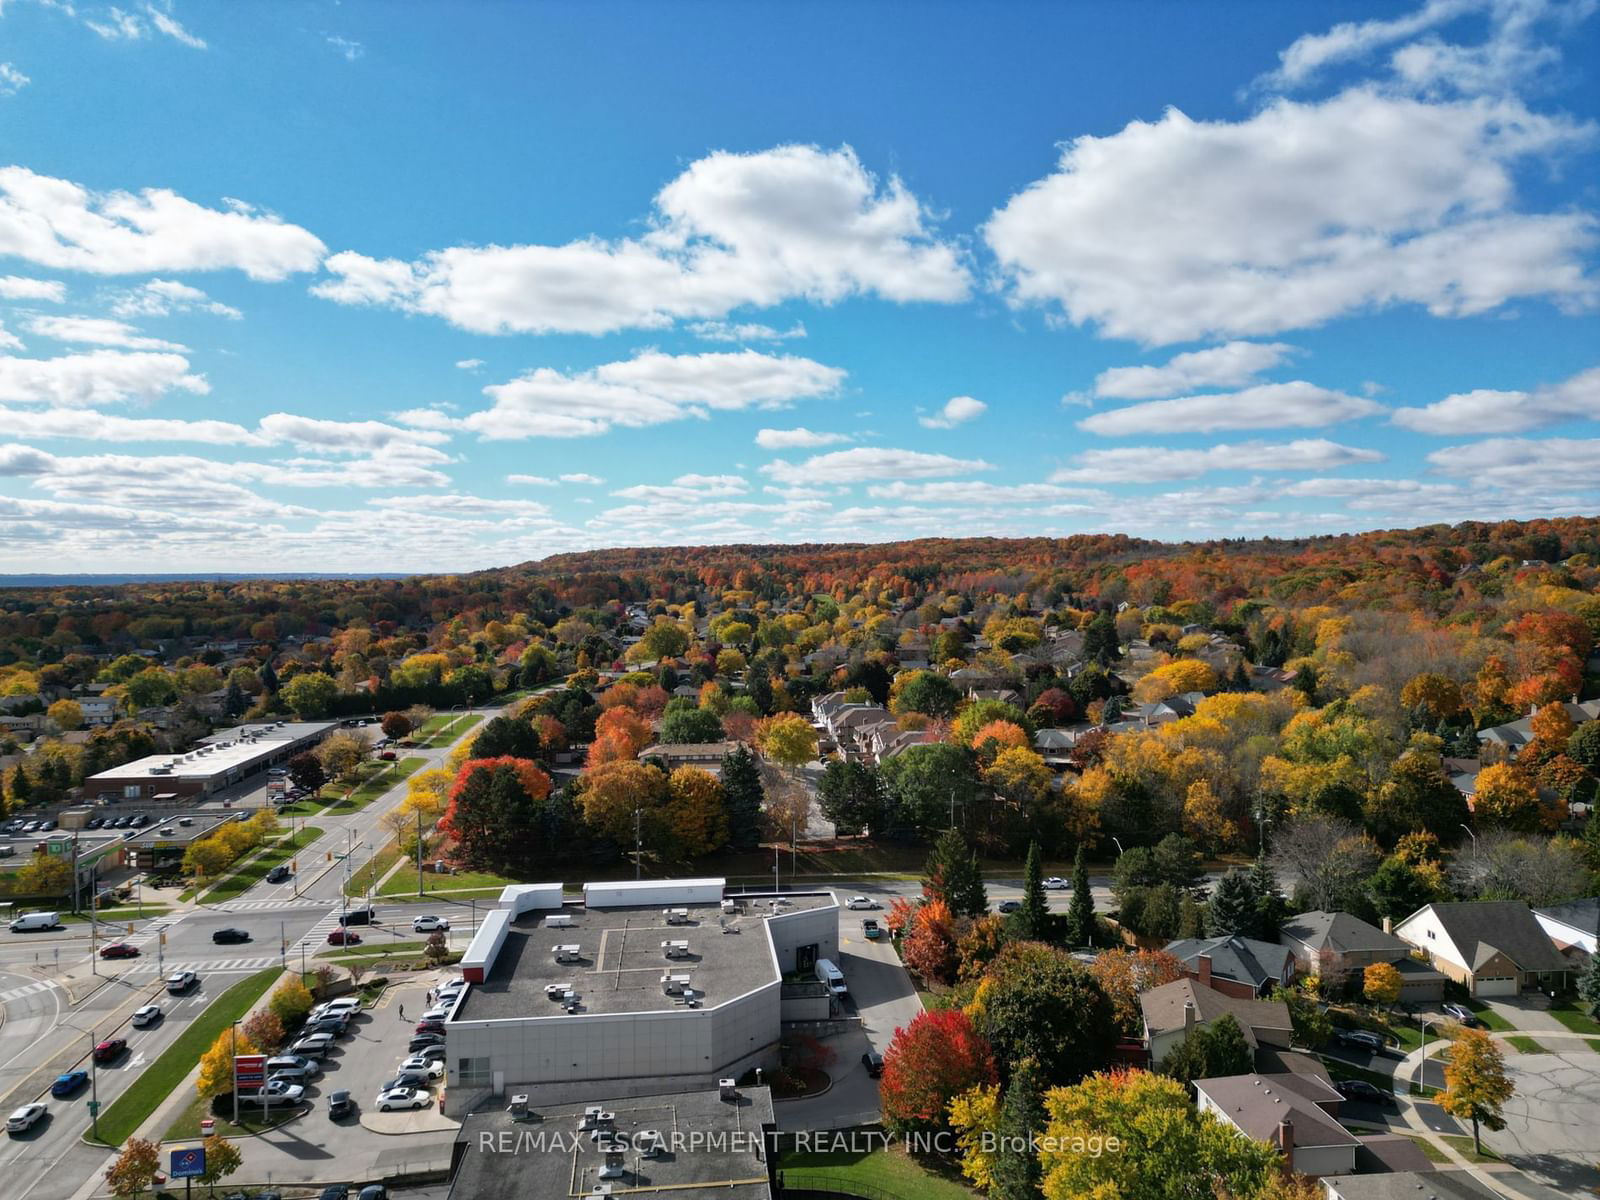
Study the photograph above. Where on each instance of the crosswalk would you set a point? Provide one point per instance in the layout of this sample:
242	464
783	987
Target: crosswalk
269	905
203	965
27	989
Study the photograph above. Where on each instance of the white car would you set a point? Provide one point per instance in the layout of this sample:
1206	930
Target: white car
281	1089
1056	884
439	1013
313	1045
402	1098
860	902
148	1015
344	1006
181	981
428	924
421	1062
25	1118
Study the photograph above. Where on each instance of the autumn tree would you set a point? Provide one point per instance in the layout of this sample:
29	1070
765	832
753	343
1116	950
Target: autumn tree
787	739
395	726
222	1159
290	1001
1038	1002
1475	1084
930	1062
1506	798
44	875
1437	695
695	817
619	735
341	752
66	714
135	1169
930	948
925	692
1123	974
499	816
264	1028
612	793
1204	818
310	694
1417	796
216	1064
305	771
1381	984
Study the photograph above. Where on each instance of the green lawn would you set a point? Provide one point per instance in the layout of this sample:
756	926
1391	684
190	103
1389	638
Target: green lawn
370	788
1574	1017
130	1110
375	949
187	1124
255	868
372	870
1492	1020
888	1174
405	882
1462	1145
1593	1044
443	729
1526	1045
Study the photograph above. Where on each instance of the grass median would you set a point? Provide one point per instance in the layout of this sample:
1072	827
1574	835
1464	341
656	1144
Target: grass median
373	786
256	867
123	1116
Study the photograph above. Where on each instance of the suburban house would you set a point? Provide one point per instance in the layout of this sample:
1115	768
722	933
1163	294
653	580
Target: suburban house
1491	947
1514	735
1296	1113
1336	944
705	755
1573	927
1174	1010
100	710
1233	965
1410	1185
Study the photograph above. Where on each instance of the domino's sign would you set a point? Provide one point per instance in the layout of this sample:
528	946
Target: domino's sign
189	1163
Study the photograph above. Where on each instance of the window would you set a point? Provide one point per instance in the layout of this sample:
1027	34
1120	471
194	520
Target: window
472	1072
130	791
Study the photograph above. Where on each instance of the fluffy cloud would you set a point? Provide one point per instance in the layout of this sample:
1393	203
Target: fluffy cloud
161	297
12	80
582	477
97	377
1306	56
458	504
9	340
1228	366
56	223
794	222
726	331
1154	464
1265	406
469	364
103	427
957	410
1485	410
687	487
977	492
650	389
99	331
1176	229
343	437
1520	463
16	459
799	438
869	463
16	287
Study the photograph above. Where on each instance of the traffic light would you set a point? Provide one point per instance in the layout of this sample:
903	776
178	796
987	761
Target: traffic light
294	865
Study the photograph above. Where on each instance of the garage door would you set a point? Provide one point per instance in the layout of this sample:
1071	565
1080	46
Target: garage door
1493	986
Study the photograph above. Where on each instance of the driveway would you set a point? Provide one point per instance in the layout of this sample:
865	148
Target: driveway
1527	1014
1552	1118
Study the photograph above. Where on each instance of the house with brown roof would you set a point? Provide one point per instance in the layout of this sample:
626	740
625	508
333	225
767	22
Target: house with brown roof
1299	1114
1174	1010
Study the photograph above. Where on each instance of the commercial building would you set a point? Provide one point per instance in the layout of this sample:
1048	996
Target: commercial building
217	761
671	981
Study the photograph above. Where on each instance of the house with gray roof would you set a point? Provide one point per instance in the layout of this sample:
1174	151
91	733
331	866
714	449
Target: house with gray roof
1573	926
1491	947
1238	966
1411	1185
1337	944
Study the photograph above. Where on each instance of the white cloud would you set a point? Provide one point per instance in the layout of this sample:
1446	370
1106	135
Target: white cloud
98	331
457	504
957	410
977	492
1265	406
349	49
166	23
9	340
1521	463
121	25
726	331
104	427
863	464
161	297
17	287
12	80
531	480
1485	410
16	459
56	223
687	487
94	378
1228	366
794	222
649	389
796	439
1177	229
343	437
581	477
1307	55
1157	464
468	364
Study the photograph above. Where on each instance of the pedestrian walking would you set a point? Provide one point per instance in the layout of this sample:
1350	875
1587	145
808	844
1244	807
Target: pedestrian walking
402	1012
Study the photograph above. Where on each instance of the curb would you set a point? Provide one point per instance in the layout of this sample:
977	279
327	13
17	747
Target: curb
39	1078
305	1111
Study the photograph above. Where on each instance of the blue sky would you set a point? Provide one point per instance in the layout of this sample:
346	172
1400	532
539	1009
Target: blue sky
345	287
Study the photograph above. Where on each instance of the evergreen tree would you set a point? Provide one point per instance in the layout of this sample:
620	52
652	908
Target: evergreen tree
1017	1170
234	701
1191	916
1100	639
1589	986
1080	914
505	737
1033	918
952	875
1270	905
742	796
1177	861
21	787
269	677
1233	909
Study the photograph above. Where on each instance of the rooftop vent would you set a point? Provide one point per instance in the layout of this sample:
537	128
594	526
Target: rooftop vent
728	1089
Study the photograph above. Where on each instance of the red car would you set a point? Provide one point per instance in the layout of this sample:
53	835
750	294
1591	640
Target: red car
388	756
119	950
430	1027
110	1049
344	937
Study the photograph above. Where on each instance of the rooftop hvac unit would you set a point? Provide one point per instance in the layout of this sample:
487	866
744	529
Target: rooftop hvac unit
599	1190
560	921
649	1142
674	985
616	1159
518	1108
730	906
567	954
675	949
676	916
728	1089
161	770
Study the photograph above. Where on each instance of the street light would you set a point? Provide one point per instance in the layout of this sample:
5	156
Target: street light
1119	845
1474	838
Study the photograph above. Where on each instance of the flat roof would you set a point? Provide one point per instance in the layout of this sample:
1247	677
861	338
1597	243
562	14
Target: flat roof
715	1147
622	962
226	750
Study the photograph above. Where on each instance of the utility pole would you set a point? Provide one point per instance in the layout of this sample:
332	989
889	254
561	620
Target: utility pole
75	886
419	852
233	1045
94	916
638	841
283	947
94	1087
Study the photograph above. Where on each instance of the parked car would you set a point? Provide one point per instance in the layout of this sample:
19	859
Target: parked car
230	935
336	1192
407	1079
341	1005
432	1025
278	874
1055	883
335	1024
373	1191
295	1067
1367	1093
25	1118
340	1104
1462	1015
387	755
425	1041
146	1016
1010	906
428	924
314	1045
401	1098
873	1062
181	981
343	937
1360	1039
429	1053
433	1068
110	1050
870	929
861	902
67	1084
282	1089
119	950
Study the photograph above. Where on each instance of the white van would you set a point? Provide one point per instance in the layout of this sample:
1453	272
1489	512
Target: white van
28	922
833	977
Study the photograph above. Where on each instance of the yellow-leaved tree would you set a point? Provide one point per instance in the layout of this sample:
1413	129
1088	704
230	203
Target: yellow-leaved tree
216	1064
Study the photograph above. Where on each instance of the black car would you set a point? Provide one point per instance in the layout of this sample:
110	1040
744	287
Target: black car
278	874
338	1026
358	916
340	1104
422	1041
873	1062
1367	1093
337	1192
224	937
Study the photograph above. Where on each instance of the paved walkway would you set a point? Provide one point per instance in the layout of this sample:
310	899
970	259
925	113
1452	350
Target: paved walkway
1527	1015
